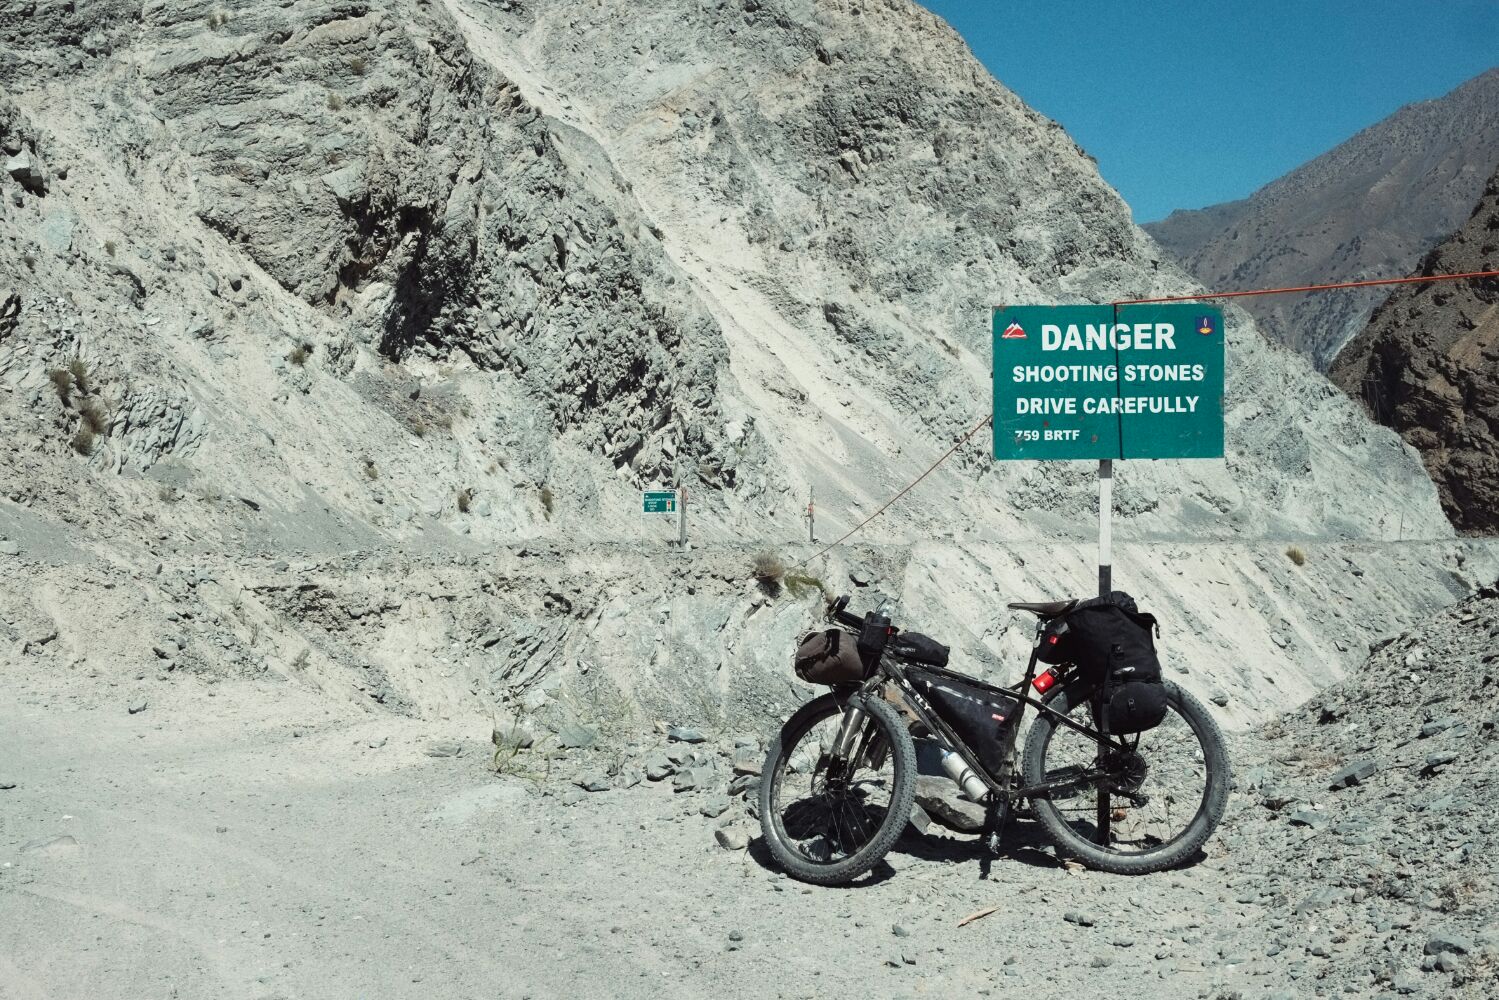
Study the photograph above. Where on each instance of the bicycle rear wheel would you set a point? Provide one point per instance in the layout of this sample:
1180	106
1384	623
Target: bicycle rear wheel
1164	796
828	818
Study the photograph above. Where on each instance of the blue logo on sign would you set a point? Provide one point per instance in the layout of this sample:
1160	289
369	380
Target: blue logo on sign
1206	325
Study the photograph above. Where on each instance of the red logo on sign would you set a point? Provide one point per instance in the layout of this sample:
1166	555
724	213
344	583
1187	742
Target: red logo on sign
1013	332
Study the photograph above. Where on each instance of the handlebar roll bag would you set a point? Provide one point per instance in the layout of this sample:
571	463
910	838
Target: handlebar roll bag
829	657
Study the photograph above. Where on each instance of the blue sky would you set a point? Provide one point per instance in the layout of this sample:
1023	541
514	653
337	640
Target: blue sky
1188	104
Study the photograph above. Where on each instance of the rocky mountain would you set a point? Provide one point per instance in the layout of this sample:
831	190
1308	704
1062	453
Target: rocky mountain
1368	208
1428	366
340	336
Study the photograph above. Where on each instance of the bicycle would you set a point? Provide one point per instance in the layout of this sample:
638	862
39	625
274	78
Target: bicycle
839	780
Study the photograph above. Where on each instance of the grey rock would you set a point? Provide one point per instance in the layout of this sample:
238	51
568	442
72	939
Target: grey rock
1438	726
1353	774
136	707
1436	761
1079	918
27	171
9	548
1308	817
684	734
899	930
748	760
6	786
571	796
444	748
940	798
1446	940
346	183
744	784
690	779
508	733
715	806
596	781
732	838
629	777
659	766
577	737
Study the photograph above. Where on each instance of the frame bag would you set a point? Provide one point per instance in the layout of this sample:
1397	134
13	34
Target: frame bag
979	715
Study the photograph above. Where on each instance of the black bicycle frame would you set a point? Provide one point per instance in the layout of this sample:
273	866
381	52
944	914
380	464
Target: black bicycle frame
999	785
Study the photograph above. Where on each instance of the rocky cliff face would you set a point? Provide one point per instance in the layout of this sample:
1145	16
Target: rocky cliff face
1368	208
1428	366
363	289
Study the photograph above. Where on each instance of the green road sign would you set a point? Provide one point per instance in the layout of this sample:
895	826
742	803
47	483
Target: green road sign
1137	381
658	501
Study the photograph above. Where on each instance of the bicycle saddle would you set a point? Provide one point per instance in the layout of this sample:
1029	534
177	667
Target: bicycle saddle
1042	609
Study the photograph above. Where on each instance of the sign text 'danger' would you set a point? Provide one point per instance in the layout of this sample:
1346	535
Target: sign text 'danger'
1088	382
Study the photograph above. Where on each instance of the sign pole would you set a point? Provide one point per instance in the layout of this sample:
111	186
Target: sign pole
682	517
1105	526
811	513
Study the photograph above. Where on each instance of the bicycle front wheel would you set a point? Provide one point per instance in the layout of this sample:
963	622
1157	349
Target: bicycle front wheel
830	816
1152	807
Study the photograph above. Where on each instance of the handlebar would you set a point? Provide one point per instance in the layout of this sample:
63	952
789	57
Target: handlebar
842	617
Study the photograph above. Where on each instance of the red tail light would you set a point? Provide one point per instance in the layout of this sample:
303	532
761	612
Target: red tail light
1044	681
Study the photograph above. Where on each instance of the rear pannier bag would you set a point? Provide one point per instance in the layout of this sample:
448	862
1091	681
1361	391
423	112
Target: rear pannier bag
1110	638
829	658
979	715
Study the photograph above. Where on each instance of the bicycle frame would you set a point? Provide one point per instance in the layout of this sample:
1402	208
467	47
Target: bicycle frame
893	671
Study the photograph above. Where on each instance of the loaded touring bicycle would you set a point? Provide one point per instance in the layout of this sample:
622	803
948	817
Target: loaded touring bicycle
1125	771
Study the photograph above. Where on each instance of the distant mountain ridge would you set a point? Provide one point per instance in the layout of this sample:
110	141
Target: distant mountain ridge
1428	366
1368	208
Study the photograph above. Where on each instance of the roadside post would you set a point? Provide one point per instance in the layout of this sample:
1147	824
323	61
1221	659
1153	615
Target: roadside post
670	502
812	514
1106	383
1133	380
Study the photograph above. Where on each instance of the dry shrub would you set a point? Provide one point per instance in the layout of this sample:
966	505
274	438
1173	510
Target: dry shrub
768	568
83	441
300	354
1297	556
465	500
547	500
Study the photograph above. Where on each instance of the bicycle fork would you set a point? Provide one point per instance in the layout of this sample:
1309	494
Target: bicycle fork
854	718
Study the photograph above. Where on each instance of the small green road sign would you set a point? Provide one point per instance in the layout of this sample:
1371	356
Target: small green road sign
1104	382
658	501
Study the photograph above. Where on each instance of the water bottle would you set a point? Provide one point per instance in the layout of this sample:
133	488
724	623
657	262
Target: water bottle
973	786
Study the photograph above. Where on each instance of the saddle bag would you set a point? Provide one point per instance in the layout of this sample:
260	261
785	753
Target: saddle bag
979	715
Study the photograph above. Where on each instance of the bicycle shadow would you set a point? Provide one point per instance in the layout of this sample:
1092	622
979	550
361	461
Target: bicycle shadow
1024	841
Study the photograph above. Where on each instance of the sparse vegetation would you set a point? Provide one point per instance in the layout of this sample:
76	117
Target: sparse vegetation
300	354
419	427
80	374
335	102
357	65
443	421
465	500
371	471
62	381
800	585
547	500
769	571
91	412
83	441
29	259
166	493
109	247
217	19
1297	556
